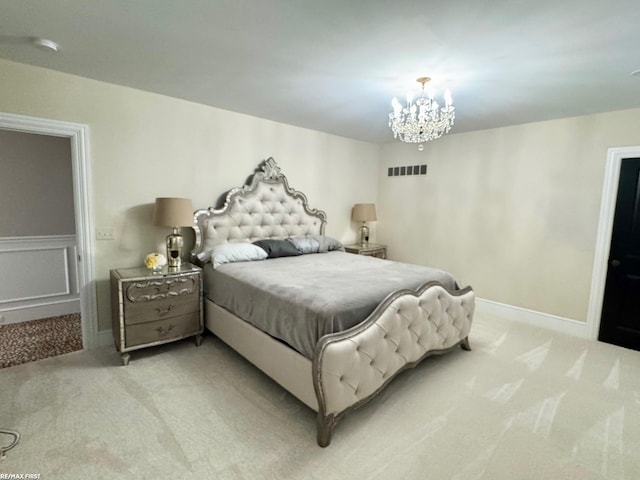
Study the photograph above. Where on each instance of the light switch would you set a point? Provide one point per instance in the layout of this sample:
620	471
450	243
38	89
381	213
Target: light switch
105	234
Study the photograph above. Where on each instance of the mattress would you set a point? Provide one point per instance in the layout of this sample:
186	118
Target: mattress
300	299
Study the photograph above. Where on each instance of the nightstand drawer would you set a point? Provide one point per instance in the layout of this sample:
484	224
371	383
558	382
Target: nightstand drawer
380	253
162	288
150	311
171	328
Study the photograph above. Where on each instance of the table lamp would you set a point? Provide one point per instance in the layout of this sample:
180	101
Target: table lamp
174	213
364	212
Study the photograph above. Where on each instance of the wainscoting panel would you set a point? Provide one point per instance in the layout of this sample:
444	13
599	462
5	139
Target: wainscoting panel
40	277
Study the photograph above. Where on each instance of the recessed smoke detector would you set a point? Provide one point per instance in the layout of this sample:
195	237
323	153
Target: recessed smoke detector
45	44
636	73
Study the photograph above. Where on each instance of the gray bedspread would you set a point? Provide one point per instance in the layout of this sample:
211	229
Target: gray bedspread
300	299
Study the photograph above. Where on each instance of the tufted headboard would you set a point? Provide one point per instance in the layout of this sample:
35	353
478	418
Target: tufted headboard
266	207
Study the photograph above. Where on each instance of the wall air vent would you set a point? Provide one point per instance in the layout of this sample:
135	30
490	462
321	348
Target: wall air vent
407	170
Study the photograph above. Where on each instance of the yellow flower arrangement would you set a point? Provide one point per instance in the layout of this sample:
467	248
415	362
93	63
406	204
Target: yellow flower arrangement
155	260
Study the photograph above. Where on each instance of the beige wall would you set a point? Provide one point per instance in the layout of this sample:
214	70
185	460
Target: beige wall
511	211
144	145
36	188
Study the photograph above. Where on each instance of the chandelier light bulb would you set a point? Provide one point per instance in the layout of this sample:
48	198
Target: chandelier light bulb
397	108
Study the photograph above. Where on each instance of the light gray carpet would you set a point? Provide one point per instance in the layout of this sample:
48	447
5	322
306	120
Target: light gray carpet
526	403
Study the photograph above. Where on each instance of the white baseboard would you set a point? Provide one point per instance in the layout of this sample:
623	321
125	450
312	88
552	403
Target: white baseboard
532	317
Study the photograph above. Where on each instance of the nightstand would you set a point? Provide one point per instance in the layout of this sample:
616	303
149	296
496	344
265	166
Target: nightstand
150	309
371	250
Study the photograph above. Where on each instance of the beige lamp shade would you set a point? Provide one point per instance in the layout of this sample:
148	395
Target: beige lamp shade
364	212
173	212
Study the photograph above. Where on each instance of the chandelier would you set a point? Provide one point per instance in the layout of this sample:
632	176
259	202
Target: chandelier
422	120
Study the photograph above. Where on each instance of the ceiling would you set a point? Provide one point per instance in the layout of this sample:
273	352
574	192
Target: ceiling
334	65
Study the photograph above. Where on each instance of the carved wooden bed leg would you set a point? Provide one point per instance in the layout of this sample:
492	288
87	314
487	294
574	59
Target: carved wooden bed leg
325	429
465	344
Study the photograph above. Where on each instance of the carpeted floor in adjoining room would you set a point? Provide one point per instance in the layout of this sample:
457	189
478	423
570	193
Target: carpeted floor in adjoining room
37	339
525	403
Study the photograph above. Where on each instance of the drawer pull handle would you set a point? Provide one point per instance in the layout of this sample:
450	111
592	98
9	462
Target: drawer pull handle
163	311
163	332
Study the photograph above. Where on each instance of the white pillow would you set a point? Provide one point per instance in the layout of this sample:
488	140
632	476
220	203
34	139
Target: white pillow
236	252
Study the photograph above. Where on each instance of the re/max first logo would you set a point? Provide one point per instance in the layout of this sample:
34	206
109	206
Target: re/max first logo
17	476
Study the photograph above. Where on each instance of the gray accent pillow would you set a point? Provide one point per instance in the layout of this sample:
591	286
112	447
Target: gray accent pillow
277	248
305	245
328	244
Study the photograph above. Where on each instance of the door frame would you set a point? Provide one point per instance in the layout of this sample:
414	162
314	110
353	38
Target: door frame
615	156
78	135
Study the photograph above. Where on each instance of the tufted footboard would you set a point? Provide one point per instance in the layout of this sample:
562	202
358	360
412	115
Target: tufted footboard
351	367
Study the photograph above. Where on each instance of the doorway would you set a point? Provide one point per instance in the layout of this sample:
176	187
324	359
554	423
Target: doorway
614	289
620	320
78	137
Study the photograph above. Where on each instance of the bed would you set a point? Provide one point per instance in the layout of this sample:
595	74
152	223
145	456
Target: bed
278	314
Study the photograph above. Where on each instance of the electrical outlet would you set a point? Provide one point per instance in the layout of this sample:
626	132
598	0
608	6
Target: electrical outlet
105	234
